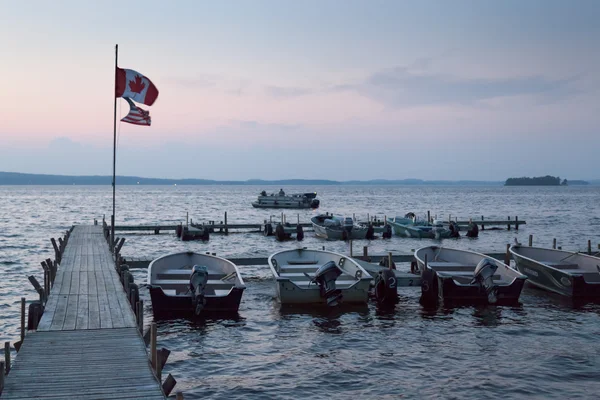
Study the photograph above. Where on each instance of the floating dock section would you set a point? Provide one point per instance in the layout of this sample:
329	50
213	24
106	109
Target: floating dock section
87	344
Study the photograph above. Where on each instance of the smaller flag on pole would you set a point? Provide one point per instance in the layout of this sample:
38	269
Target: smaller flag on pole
136	115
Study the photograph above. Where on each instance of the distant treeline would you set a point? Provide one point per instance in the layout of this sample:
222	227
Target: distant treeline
542	181
17	178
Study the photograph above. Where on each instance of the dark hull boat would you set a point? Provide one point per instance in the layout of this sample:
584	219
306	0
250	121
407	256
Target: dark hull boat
460	276
564	272
188	284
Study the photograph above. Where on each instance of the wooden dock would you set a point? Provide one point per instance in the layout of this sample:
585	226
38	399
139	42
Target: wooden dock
87	344
225	227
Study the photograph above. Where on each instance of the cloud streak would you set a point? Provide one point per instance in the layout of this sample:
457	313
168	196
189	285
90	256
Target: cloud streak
400	87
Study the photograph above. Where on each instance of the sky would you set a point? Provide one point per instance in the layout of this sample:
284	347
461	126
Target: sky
326	89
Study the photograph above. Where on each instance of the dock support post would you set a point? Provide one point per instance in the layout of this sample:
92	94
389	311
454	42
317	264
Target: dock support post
118	248
226	228
507	255
390	260
168	385
482	225
1	376
56	251
159	366
187	220
365	252
368	218
428	216
530	240
508	226
140	315
112	232
517	223
589	247
7	356
350	247
298	216
153	345
554	243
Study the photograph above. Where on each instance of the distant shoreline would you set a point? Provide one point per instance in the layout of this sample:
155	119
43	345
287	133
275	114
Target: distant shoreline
16	178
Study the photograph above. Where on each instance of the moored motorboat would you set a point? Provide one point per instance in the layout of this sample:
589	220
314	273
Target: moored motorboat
281	200
192	283
412	227
564	272
454	275
332	227
318	277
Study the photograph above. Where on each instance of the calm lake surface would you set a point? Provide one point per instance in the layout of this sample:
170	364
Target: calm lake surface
545	348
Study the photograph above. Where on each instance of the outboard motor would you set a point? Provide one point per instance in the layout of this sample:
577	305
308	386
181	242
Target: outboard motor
370	232
454	230
198	280
385	288
484	275
315	203
472	230
299	232
387	231
325	277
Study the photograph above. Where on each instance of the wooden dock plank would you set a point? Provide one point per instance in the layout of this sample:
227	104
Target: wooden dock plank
87	345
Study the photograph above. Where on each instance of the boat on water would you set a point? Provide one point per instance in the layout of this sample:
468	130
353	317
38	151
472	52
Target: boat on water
318	277
328	226
189	283
185	232
412	227
567	273
282	200
452	275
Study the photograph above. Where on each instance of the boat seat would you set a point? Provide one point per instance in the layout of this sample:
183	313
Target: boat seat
310	269
301	261
451	266
171	282
300	276
179	273
208	292
338	284
560	265
463	274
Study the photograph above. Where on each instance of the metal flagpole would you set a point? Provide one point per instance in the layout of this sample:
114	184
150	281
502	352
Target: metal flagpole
112	222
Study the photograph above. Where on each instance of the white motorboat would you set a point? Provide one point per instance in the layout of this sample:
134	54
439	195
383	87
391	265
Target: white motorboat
318	277
466	276
192	283
281	200
568	273
333	227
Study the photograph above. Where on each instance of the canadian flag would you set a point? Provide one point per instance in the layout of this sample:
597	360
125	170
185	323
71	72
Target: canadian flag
135	86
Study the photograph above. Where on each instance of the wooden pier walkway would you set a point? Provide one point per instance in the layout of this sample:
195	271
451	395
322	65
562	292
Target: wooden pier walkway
87	345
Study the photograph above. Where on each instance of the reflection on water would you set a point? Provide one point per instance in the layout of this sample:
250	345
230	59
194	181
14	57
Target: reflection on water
545	347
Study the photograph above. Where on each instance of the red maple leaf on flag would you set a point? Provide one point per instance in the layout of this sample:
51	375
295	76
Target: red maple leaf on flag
137	85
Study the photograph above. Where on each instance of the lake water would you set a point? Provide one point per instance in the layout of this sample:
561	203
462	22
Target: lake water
544	348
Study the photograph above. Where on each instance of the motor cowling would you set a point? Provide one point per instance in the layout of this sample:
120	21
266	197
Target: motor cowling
198	281
386	293
314	203
387	231
299	232
472	230
484	276
325	277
